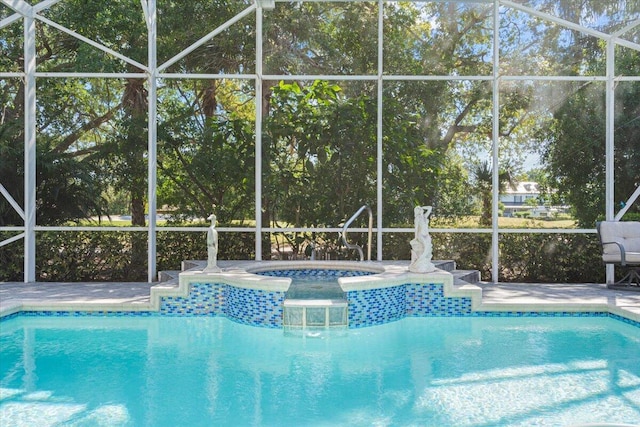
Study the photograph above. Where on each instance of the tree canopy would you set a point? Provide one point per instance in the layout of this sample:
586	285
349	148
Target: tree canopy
319	136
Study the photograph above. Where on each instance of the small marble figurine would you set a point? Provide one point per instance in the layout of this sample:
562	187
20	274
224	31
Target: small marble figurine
421	248
212	246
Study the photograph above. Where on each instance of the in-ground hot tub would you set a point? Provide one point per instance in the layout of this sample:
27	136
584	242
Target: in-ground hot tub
315	283
375	293
315	297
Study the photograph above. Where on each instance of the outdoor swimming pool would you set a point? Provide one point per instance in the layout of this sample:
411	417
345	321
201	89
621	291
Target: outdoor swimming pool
197	371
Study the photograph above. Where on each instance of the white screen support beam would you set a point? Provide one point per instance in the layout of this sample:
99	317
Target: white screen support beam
11	239
609	145
266	4
258	137
208	37
30	148
628	204
92	43
495	179
379	132
10	20
12	201
152	126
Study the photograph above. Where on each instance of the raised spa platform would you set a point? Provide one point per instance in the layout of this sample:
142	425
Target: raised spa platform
497	299
377	293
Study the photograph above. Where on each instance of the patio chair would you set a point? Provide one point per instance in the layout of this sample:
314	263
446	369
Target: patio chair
621	246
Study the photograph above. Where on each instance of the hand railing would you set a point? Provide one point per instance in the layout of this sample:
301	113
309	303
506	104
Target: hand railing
343	235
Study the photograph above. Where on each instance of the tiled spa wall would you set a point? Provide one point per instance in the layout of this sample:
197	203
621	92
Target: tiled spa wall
366	307
249	306
377	306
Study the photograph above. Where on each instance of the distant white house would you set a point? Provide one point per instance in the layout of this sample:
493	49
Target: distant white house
513	198
516	196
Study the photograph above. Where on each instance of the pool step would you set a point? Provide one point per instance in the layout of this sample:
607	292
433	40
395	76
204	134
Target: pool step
302	313
468	276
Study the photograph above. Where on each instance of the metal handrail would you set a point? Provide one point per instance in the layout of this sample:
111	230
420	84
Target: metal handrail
343	234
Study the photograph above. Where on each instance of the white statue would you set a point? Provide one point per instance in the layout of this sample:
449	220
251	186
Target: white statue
421	248
212	246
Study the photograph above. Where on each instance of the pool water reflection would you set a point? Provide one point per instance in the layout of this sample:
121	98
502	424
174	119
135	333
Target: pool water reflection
417	371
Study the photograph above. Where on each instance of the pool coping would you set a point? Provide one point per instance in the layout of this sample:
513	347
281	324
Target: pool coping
485	297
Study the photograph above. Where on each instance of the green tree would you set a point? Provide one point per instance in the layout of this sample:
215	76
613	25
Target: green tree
318	159
205	162
549	195
483	181
67	187
576	148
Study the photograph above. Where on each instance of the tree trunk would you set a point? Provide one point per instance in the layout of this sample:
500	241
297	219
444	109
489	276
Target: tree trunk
135	104
485	217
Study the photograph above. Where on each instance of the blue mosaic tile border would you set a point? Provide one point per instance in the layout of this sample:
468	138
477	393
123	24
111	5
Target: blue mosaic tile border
366	307
315	272
623	319
204	299
79	313
426	300
254	307
547	314
377	306
474	314
248	306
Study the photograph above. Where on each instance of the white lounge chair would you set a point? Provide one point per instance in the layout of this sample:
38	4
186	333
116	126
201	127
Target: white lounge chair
621	246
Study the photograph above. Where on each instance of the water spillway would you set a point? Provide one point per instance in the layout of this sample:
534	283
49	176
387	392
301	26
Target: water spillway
305	313
315	298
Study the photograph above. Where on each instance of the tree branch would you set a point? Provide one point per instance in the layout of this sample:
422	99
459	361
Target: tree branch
180	185
90	125
193	177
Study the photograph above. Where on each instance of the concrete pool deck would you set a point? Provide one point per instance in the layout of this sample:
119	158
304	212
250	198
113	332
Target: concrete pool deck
136	296
16	296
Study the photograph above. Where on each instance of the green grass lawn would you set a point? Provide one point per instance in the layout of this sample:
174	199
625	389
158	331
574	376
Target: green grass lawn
504	222
535	223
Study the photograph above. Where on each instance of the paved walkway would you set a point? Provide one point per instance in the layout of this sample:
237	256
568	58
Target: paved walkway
560	297
495	297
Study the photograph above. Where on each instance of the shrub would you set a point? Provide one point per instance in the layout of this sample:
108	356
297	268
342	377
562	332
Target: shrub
550	258
89	256
175	247
107	255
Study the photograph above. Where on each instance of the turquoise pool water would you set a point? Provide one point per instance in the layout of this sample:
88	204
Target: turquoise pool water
315	283
205	371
